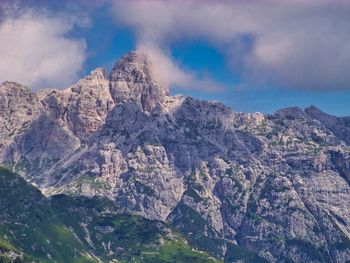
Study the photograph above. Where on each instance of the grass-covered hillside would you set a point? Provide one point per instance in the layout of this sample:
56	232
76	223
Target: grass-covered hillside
34	228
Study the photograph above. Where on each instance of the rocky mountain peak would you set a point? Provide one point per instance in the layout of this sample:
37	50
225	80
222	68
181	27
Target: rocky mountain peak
133	78
275	185
13	87
292	112
314	111
136	59
98	74
321	116
15	97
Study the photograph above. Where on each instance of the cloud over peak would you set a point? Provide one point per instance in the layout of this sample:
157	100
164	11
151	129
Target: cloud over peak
294	44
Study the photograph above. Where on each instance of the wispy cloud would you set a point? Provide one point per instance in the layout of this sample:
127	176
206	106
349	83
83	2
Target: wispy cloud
36	51
294	44
170	74
153	22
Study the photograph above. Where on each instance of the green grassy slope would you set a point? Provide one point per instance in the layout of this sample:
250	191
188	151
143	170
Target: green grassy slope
28	223
66	229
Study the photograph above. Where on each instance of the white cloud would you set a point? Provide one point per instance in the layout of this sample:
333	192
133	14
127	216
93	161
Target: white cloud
35	50
170	74
295	44
155	25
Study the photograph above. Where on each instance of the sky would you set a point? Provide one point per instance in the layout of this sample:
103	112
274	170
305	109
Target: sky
252	55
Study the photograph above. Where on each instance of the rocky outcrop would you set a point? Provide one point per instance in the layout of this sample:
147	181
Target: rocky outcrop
18	107
132	78
277	185
85	105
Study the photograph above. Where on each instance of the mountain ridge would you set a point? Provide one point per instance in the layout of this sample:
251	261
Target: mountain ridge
273	184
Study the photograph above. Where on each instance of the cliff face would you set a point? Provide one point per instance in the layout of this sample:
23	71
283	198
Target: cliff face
277	185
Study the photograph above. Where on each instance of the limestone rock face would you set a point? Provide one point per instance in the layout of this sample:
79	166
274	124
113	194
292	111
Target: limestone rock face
132	78
85	105
277	185
17	105
19	109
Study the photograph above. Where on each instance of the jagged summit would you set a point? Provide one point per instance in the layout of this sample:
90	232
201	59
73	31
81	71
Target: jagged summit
292	112
98	73
314	111
17	99
13	86
137	59
274	184
133	78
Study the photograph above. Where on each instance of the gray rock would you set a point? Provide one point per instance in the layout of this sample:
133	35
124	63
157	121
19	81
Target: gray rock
277	185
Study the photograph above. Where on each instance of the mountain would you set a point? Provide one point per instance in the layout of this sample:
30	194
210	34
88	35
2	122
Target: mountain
66	229
245	187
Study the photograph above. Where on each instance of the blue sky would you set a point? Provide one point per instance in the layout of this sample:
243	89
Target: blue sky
260	56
